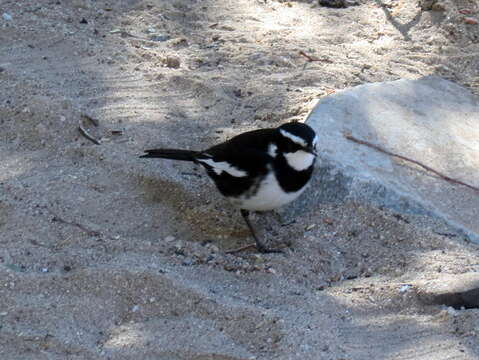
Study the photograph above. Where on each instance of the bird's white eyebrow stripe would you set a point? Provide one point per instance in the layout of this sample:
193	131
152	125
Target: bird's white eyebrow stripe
220	166
293	138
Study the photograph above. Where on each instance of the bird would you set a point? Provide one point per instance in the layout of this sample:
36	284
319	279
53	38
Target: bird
258	170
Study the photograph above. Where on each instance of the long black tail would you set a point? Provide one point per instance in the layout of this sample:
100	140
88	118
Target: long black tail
174	154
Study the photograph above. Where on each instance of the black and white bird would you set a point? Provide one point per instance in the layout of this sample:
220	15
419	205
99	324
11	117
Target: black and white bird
258	170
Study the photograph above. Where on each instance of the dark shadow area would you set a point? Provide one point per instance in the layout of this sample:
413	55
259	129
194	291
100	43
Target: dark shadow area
403	28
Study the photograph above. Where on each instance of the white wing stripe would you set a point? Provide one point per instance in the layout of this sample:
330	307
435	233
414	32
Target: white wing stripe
220	166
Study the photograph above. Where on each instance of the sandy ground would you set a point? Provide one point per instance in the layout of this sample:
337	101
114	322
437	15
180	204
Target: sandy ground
104	255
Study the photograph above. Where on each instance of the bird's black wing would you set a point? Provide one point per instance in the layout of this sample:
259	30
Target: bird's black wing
238	163
255	139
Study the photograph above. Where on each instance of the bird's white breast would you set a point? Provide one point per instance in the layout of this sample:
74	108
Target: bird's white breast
268	196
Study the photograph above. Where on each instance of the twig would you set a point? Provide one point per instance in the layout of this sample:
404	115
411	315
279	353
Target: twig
85	132
243	248
378	148
246	247
291	222
311	58
72	223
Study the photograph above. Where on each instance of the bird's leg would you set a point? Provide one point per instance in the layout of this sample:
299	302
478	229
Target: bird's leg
259	244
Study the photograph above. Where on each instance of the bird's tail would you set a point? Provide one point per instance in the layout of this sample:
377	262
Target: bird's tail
174	154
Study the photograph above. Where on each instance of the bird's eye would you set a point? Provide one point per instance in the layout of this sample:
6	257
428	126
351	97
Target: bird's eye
290	147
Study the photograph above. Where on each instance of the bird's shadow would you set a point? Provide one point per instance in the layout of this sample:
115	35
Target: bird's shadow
403	28
200	213
205	216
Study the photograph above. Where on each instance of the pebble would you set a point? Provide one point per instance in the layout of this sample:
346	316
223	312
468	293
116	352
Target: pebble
212	247
187	262
438	7
7	17
451	311
135	308
160	38
169	238
172	62
271	271
227	28
258	259
470	21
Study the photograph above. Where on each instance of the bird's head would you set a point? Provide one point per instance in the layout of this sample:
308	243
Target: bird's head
297	143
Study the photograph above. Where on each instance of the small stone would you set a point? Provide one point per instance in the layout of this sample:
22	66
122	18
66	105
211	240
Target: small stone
180	42
135	308
83	21
187	262
271	271
227	28
179	250
466	11
426	5
169	238
470	21
212	247
172	62
328	221
160	38
258	259
438	6
7	17
229	267
451	311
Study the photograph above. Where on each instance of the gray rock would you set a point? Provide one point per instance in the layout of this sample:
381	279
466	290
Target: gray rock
173	62
457	291
431	120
